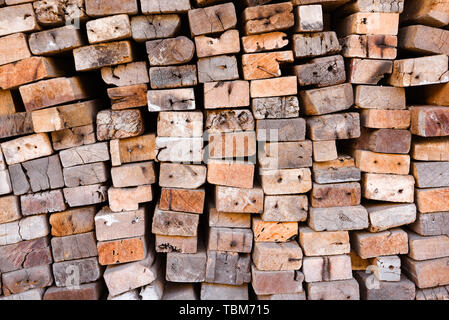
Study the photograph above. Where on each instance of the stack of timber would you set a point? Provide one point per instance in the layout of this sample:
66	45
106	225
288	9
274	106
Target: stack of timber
179	149
53	110
326	98
424	40
230	154
369	33
125	244
284	154
224	150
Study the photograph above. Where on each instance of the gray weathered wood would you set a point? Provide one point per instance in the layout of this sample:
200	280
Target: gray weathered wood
111	225
172	223
171	100
33	227
76	272
213	291
327	100
217	68
212	19
431	174
383	216
55	41
437	293
285	155
172	175
160	6
321	72
10	233
119	124
170	51
228	268
173	77
402	290
184	150
275	282
281	130
125	277
285	208
336	175
186	267
275	107
338	218
91	153
333	290
230	239
37	175
149	27
316	44
331	127
229	121
73	247
431	224
92	173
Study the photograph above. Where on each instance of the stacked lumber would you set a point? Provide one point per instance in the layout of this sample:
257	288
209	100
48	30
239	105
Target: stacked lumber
284	154
335	207
423	37
230	154
224	150
179	149
125	245
49	191
369	33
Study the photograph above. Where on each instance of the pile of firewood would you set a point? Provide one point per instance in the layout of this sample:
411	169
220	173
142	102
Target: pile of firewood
224	150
